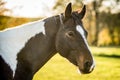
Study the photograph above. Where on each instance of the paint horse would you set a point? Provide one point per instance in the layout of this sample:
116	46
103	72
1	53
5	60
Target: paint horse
26	48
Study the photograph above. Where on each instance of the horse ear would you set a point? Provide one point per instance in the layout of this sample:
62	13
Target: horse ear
82	13
68	11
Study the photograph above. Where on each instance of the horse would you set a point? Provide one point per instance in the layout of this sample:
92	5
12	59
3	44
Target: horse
26	48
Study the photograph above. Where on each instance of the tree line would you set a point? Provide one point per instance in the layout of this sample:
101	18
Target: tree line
103	27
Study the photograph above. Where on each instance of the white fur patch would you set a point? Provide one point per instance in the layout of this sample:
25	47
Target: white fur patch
82	32
13	40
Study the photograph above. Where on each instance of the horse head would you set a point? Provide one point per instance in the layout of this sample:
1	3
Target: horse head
71	40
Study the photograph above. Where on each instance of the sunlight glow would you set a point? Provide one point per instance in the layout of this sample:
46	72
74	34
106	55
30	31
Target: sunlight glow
30	8
42	8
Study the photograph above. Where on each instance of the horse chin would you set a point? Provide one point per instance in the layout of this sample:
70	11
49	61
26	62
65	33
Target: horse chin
82	71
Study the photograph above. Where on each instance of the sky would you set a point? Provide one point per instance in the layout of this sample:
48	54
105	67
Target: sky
30	8
114	6
39	8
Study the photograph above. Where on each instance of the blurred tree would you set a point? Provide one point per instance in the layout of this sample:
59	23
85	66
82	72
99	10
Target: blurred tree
96	5
60	5
103	19
2	8
96	21
6	21
113	24
112	21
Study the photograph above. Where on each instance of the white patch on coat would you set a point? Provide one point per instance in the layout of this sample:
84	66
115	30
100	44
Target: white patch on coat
82	32
12	40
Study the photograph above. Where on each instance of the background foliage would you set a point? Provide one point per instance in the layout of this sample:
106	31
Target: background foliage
103	27
104	30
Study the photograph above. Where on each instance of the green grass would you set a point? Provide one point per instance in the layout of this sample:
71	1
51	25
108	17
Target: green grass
107	67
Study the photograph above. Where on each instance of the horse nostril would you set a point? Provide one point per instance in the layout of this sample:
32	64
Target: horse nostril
88	67
87	64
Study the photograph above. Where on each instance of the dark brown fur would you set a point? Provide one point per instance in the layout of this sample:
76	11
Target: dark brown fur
60	37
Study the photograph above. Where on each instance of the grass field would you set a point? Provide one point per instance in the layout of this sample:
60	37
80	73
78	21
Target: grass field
107	67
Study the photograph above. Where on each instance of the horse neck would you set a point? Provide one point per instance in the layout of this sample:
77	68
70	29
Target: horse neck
52	26
46	46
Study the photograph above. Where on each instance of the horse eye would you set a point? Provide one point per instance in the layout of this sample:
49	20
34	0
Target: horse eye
70	34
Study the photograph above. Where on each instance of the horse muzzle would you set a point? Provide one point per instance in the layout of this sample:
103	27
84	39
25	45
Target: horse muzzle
88	67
